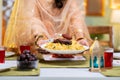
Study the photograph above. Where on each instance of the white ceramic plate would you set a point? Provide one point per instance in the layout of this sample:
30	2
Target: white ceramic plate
64	51
7	54
48	57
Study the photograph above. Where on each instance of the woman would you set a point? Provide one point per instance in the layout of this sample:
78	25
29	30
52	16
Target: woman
44	17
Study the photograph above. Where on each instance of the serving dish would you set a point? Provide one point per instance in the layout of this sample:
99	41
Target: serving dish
64	51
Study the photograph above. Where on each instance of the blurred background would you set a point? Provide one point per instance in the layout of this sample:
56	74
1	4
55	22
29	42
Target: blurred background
97	13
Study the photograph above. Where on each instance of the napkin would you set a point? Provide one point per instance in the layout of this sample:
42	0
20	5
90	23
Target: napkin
116	55
8	64
8	53
116	62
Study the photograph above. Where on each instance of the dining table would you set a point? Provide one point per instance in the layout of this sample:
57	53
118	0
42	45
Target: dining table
61	73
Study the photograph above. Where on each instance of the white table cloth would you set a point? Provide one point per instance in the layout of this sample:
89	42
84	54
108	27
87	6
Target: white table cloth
60	73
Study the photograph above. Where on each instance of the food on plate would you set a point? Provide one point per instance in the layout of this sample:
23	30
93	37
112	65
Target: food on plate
64	45
67	36
27	60
63	41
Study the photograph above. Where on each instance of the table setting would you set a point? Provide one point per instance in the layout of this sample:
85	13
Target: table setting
79	57
29	63
62	51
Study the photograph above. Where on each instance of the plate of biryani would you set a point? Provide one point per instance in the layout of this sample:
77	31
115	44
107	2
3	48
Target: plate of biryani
63	46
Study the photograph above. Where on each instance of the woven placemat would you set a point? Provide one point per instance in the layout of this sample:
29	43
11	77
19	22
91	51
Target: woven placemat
61	64
113	72
15	72
64	64
11	58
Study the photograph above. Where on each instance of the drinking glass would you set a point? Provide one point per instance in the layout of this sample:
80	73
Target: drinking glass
2	54
108	57
24	47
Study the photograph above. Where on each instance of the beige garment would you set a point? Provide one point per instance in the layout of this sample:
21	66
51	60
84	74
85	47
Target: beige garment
35	17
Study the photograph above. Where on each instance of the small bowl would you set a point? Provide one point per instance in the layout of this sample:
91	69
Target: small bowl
27	65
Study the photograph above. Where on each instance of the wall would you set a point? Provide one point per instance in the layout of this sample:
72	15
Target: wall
100	20
93	21
105	21
117	36
0	21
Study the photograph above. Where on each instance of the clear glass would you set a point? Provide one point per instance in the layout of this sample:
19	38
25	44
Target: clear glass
26	65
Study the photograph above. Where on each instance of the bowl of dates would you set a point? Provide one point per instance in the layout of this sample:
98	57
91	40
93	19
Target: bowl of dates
27	61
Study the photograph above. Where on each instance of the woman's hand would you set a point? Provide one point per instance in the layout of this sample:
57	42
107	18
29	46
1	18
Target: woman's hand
39	40
83	42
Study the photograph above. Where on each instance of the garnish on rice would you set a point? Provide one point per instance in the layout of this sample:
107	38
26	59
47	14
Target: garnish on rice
62	44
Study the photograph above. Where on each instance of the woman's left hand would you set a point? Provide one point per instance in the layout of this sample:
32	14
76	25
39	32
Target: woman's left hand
83	42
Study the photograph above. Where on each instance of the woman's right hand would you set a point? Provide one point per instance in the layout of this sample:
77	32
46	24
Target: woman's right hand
39	40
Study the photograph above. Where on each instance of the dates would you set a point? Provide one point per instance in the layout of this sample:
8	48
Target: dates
66	36
27	60
63	41
27	56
